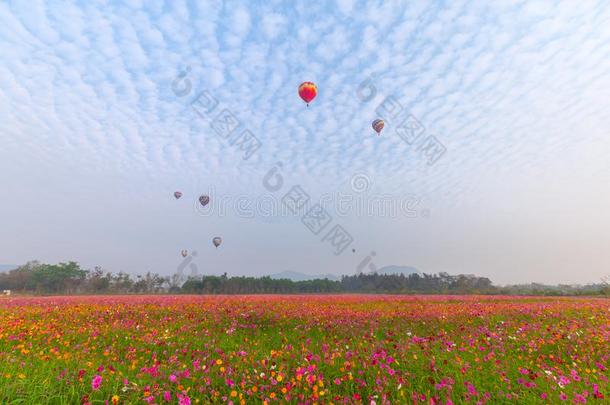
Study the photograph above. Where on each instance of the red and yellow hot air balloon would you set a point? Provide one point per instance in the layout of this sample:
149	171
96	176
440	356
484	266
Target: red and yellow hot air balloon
308	91
378	125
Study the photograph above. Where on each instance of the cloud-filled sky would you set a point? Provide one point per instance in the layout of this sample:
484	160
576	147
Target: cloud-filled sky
98	129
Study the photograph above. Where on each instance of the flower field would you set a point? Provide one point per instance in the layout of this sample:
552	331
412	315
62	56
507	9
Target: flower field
304	349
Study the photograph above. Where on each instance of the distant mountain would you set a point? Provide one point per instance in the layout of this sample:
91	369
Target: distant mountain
406	270
7	267
295	276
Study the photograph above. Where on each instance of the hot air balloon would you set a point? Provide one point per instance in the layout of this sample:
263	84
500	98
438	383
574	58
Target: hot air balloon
308	91
204	200
217	241
184	253
177	194
378	125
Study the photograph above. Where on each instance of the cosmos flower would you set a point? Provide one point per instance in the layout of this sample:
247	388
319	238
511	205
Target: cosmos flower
96	382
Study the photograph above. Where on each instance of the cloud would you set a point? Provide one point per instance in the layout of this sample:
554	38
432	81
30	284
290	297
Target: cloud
510	89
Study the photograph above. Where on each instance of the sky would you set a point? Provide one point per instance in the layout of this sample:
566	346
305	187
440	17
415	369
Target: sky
493	159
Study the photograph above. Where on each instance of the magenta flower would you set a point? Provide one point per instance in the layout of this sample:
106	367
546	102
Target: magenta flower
96	382
167	396
173	378
184	400
579	399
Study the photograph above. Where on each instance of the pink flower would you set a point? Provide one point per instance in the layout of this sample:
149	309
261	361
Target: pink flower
96	382
563	396
579	399
173	378
184	400
596	392
167	396
470	388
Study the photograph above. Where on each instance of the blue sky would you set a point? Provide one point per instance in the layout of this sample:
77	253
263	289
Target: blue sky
94	141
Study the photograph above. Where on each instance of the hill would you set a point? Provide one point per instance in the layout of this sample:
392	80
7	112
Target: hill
296	276
406	270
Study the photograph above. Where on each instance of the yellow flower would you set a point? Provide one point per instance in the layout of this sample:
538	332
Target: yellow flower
219	362
279	378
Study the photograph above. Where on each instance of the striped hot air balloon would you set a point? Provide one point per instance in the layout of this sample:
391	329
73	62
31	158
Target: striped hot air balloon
217	241
308	91
378	125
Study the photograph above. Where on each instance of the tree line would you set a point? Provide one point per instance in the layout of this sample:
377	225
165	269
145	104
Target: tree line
70	278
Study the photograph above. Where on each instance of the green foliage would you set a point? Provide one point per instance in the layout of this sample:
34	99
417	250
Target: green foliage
69	278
